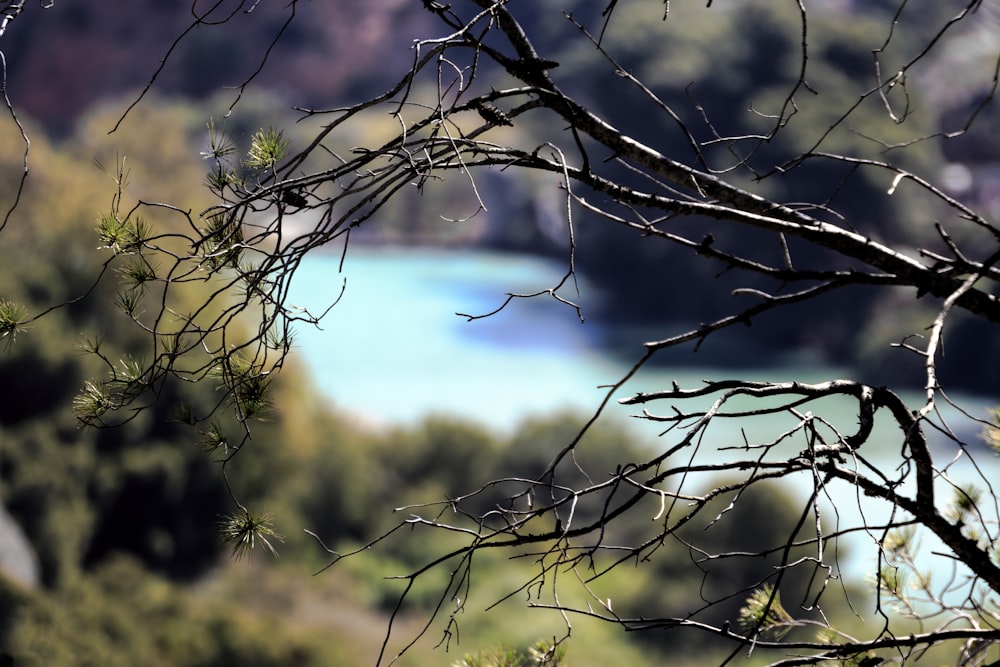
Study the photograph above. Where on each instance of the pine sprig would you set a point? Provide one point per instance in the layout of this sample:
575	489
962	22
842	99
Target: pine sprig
764	613
247	531
267	148
12	321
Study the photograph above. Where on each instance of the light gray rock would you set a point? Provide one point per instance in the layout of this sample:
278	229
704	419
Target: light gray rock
17	557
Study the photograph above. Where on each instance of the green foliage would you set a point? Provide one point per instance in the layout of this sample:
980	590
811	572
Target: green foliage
46	488
222	239
865	659
81	494
221	147
12	321
214	441
763	613
900	543
711	588
327	478
895	582
247	530
122	236
248	383
414	457
991	431
267	148
541	654
93	401
965	503
125	381
504	656
121	616
899	577
136	272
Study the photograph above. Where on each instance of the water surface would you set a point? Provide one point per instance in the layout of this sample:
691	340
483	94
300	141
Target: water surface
393	350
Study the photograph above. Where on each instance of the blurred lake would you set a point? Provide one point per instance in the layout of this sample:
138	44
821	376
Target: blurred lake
394	350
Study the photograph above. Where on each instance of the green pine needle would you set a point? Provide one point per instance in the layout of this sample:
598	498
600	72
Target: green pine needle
214	440
247	531
122	236
93	401
991	432
137	272
267	148
12	319
220	146
249	384
223	237
763	613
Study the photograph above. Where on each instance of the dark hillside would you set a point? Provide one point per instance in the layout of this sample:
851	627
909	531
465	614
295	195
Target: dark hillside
63	59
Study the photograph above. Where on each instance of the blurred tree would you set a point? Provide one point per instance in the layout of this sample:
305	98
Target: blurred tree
83	496
122	615
802	165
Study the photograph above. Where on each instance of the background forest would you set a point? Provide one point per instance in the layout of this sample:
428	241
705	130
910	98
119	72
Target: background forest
124	565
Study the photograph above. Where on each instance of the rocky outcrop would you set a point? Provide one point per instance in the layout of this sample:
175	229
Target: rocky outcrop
18	560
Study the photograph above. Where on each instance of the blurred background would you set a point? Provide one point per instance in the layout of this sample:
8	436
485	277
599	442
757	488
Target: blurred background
109	538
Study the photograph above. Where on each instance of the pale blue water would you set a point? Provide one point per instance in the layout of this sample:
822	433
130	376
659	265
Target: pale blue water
393	350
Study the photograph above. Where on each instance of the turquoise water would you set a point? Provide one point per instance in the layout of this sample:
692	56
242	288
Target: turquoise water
393	350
